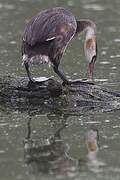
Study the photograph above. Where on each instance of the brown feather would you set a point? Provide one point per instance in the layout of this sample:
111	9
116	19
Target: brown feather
90	42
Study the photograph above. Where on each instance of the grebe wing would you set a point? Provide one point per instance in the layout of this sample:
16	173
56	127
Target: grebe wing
45	26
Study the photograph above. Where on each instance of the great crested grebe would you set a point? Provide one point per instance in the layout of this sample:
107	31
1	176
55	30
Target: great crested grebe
47	35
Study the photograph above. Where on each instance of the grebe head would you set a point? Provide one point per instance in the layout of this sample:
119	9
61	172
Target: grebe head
91	54
90	49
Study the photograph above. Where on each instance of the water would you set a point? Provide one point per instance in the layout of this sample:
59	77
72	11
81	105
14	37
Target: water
56	146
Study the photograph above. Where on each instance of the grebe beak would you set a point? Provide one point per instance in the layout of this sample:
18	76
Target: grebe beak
91	67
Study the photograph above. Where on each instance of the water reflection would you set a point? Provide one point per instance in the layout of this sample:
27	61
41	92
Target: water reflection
50	156
92	141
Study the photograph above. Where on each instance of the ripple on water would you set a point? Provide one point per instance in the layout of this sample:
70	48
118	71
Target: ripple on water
1	37
112	29
113	67
100	80
107	120
103	53
70	3
2	151
93	122
3	124
117	40
104	62
13	42
7	6
115	56
112	74
95	7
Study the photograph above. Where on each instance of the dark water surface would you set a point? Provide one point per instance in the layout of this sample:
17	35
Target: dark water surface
52	145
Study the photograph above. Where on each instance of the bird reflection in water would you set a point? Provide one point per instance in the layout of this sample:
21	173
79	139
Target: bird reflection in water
92	139
51	157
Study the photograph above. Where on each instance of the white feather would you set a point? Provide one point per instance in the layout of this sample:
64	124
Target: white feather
49	39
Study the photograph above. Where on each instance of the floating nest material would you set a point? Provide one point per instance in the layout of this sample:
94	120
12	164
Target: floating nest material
17	92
